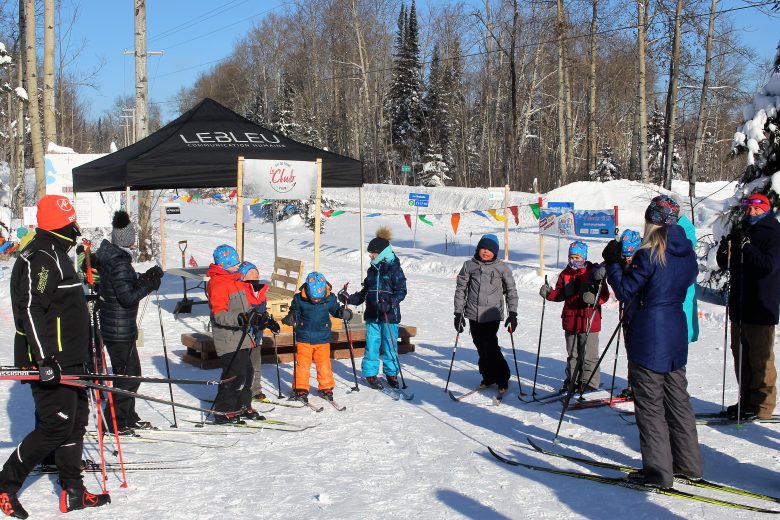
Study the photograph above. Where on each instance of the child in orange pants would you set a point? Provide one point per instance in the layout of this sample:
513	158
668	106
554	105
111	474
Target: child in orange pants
310	313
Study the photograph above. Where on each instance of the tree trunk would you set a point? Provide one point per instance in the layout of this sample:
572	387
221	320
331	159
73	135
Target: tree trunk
641	89
671	98
145	249
49	114
32	94
18	190
513	87
702	103
592	97
562	141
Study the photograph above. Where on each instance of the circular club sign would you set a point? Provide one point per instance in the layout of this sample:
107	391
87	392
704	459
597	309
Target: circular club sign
282	177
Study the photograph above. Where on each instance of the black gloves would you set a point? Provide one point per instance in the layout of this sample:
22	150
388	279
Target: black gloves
385	303
343	296
511	322
50	372
345	314
249	319
266	321
613	252
289	320
256	284
459	322
599	273
152	277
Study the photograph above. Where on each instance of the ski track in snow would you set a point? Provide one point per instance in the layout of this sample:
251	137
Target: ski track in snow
426	458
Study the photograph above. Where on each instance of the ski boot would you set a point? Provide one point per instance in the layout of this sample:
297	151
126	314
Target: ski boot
260	396
10	506
374	383
393	381
251	414
143	425
79	498
228	418
302	396
326	394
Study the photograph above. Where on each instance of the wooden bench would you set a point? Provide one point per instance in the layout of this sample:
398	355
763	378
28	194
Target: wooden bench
285	280
200	345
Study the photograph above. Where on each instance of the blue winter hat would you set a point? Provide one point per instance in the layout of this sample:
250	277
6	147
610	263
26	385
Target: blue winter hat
630	241
246	266
489	242
579	248
226	256
316	285
662	211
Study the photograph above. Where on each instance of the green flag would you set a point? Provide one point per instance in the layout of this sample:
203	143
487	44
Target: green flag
423	219
535	209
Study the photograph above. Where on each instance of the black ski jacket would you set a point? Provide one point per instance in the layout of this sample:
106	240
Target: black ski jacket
755	273
120	291
48	303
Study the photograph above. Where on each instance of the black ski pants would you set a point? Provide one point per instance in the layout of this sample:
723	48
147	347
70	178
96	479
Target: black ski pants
63	413
492	365
237	393
124	361
667	427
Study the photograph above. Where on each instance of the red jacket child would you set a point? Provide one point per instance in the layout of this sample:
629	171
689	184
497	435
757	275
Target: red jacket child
572	284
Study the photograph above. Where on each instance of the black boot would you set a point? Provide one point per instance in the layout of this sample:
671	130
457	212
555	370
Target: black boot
79	498
10	506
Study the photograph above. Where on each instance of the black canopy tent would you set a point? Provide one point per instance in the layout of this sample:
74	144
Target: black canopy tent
203	148
200	149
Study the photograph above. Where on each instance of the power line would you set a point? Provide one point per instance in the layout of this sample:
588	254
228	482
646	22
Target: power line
223	27
196	20
354	75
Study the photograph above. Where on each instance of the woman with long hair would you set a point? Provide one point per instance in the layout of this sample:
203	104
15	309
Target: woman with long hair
652	291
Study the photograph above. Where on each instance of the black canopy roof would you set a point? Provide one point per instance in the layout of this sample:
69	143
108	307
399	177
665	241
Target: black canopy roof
200	149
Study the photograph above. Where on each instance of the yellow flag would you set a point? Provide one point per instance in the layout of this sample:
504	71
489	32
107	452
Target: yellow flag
496	216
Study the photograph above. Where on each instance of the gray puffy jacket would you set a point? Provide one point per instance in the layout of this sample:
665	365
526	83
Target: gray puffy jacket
481	289
224	325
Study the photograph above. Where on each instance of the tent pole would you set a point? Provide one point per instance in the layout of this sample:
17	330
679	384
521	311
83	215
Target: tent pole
317	216
506	223
240	209
127	200
162	238
362	235
273	213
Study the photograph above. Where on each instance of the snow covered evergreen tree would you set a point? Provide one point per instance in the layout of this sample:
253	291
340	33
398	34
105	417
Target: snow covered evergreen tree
434	171
403	105
656	149
606	168
283	119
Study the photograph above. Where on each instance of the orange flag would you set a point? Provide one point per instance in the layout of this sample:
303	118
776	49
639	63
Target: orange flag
455	220
408	219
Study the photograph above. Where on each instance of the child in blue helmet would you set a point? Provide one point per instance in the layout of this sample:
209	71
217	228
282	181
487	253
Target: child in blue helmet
384	288
310	313
255	293
581	316
630	241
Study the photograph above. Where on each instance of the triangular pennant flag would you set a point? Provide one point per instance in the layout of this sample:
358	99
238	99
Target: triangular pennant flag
408	219
496	216
480	213
254	201
189	198
515	213
535	209
192	262
455	220
422	218
328	213
196	196
232	194
373	215
337	213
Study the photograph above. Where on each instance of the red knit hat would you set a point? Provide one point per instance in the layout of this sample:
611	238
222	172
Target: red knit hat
55	212
757	200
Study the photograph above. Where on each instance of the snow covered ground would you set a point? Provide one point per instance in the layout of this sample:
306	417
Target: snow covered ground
426	458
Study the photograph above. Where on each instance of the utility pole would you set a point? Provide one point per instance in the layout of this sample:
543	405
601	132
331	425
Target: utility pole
142	127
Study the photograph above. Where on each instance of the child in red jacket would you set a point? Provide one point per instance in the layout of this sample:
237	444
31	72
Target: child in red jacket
578	292
255	294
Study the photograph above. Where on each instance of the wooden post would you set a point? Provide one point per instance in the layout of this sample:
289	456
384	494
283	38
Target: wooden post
240	209
362	235
162	236
506	222
541	243
317	215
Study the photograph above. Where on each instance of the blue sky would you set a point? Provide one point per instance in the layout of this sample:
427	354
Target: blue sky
195	34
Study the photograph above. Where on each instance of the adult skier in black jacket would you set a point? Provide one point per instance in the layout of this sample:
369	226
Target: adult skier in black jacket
121	289
50	310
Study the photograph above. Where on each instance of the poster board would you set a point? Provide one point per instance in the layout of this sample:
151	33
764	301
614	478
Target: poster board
279	179
92	210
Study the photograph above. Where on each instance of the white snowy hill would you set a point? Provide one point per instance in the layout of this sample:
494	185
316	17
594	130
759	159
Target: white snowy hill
425	458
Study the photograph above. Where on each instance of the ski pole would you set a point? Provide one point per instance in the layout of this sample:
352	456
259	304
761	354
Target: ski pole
258	371
244	331
276	356
539	347
617	353
741	334
116	427
394	350
452	361
726	328
295	356
356	388
165	354
520	392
